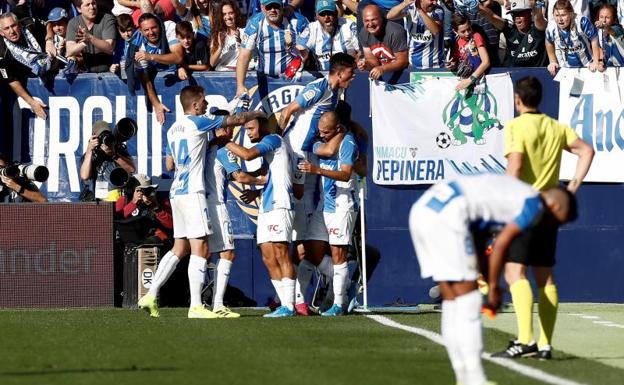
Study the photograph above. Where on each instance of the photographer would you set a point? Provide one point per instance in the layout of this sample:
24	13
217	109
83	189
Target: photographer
104	154
18	190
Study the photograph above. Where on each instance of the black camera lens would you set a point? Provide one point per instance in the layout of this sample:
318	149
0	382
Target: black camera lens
107	138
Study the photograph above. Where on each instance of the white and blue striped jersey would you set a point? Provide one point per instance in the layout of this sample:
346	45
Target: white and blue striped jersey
339	196
187	141
315	99
277	193
426	50
323	45
274	46
220	164
612	46
573	47
490	200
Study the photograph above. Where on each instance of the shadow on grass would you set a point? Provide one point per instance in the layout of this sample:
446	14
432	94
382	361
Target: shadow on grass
48	371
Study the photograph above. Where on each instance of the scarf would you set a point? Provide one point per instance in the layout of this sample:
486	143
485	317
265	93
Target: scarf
30	56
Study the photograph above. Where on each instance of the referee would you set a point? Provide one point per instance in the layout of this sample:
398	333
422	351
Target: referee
533	147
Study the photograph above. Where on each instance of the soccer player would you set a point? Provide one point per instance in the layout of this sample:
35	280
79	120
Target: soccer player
316	98
534	144
424	24
440	223
275	214
339	203
187	141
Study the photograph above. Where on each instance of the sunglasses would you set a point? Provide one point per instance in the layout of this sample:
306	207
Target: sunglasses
327	14
273	6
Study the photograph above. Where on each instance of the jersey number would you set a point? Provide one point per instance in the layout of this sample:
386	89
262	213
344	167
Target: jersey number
181	155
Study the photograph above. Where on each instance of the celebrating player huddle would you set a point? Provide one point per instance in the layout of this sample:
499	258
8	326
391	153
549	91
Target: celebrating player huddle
200	149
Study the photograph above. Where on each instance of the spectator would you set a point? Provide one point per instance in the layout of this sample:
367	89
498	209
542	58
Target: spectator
136	8
126	28
92	34
273	35
579	8
18	190
470	57
225	41
488	32
328	35
150	51
195	52
525	37
56	33
20	56
100	159
384	44
424	24
571	41
610	38
199	13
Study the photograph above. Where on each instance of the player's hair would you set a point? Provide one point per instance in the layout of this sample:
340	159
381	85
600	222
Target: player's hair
529	90
189	94
340	61
459	19
263	123
330	116
562	5
343	110
147	16
125	22
184	29
566	200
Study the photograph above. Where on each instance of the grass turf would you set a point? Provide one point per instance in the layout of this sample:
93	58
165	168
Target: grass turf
127	347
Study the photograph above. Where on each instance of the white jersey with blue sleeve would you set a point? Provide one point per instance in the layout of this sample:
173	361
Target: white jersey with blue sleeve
339	196
316	98
612	46
277	193
220	164
426	50
323	45
573	47
187	141
274	46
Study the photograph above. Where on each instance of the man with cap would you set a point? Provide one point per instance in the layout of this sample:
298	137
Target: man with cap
525	37
328	35
274	36
102	157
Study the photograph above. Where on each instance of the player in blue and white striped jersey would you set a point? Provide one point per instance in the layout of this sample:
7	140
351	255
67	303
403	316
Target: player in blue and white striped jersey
423	20
328	35
187	141
571	41
339	198
273	35
275	215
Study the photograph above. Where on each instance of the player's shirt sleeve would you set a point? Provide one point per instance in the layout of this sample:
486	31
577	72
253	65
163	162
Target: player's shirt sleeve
513	139
588	28
570	135
316	146
530	213
348	151
250	33
310	95
207	123
227	160
268	143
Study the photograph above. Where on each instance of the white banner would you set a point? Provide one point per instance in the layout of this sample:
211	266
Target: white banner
596	113
426	132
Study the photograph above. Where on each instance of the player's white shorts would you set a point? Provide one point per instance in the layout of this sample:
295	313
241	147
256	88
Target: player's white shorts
442	239
340	227
222	237
191	218
275	226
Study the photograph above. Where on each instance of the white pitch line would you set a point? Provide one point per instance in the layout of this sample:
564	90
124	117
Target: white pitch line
504	362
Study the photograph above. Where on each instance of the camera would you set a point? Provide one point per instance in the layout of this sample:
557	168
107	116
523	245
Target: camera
124	130
147	191
119	177
32	172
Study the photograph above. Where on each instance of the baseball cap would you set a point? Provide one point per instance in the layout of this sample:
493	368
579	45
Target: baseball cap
326	5
57	14
267	2
144	181
520	5
100	126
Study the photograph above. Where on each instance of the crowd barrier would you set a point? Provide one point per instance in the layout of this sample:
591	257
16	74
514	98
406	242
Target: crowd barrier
589	252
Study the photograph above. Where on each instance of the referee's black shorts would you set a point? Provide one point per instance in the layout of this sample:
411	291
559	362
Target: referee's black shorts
536	246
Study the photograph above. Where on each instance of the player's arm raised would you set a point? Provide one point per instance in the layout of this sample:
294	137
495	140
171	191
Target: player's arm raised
288	112
246	178
243	152
242	118
331	147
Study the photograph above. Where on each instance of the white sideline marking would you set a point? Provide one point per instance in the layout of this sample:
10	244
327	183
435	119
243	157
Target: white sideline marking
504	362
590	317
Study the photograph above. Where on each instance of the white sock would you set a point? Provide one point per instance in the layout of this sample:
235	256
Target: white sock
340	280
304	274
196	271
288	289
223	275
449	336
278	289
165	268
469	336
326	267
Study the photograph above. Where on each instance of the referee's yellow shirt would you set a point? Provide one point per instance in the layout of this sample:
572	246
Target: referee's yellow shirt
541	139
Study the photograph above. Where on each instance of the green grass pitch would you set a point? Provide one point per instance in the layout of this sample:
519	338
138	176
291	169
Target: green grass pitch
115	346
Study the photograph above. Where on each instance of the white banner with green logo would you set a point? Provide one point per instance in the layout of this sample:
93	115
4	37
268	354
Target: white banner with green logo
425	131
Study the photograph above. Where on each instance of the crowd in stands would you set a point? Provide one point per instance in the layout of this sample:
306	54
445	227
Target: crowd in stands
136	39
